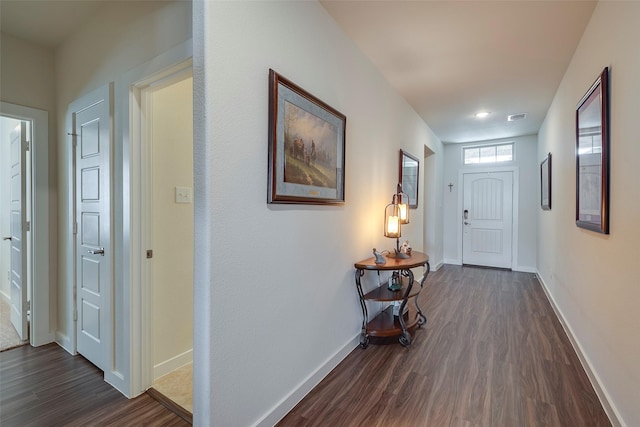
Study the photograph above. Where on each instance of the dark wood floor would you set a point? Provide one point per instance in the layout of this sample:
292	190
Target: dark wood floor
492	354
46	386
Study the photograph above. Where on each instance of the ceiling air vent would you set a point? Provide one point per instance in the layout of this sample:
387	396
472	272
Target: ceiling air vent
514	117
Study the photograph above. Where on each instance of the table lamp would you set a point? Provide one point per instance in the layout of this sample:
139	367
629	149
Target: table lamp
396	213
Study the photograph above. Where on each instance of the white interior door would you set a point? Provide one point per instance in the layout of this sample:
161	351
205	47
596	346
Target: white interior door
19	303
92	136
487	220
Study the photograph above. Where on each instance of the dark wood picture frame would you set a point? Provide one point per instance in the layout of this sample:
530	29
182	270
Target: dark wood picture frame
306	146
592	157
409	174
545	183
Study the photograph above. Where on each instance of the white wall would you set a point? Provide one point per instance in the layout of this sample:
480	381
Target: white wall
123	36
527	162
592	278
433	192
275	301
172	111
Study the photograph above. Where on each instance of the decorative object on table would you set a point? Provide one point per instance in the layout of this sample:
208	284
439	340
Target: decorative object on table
408	177
545	183
380	260
396	213
306	146
396	308
592	157
394	282
405	248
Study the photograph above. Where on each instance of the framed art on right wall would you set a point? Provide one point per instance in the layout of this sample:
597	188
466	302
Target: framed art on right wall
592	157
545	183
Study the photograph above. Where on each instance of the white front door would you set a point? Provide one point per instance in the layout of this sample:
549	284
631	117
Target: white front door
487	220
19	303
92	138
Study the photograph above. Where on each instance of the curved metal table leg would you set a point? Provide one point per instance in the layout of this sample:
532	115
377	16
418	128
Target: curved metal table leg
405	337
364	338
422	318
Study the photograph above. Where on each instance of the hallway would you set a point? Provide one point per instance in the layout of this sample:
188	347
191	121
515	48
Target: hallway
492	354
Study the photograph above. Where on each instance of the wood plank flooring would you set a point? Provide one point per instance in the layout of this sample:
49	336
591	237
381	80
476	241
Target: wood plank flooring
493	353
46	386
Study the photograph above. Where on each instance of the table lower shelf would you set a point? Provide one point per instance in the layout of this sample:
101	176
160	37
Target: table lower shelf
386	324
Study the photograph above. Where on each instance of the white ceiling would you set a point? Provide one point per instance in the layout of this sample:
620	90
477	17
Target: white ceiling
44	22
447	58
451	59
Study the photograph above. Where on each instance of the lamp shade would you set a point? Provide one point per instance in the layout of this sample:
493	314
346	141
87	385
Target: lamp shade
403	210
392	220
403	205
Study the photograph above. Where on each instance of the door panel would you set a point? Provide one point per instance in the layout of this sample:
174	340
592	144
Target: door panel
487	229
92	133
19	304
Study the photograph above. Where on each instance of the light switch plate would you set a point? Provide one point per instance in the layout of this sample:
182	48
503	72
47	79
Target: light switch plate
183	195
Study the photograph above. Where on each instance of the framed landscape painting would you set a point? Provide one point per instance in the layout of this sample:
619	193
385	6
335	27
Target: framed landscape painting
306	146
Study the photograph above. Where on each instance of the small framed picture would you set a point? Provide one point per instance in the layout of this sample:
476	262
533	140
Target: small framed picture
306	146
545	183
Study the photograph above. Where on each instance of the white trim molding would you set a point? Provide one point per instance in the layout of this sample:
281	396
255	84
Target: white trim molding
600	390
287	403
135	344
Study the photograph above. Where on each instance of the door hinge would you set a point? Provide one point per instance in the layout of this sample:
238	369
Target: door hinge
27	226
27	145
75	314
27	305
149	253
75	227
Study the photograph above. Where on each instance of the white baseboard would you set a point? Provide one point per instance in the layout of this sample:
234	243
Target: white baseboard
453	261
524	269
438	266
283	407
65	342
172	364
601	392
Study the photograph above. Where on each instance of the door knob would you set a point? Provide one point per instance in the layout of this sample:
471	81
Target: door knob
467	223
97	251
7	238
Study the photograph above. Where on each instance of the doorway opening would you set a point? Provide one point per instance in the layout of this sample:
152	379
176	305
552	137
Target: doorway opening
167	219
15	220
24	222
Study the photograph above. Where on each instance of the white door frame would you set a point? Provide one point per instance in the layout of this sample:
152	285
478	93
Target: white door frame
143	93
516	195
134	347
41	243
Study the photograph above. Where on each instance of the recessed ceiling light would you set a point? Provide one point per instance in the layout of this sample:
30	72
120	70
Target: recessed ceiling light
482	114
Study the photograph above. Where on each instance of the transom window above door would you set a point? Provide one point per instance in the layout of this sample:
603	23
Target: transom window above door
497	153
